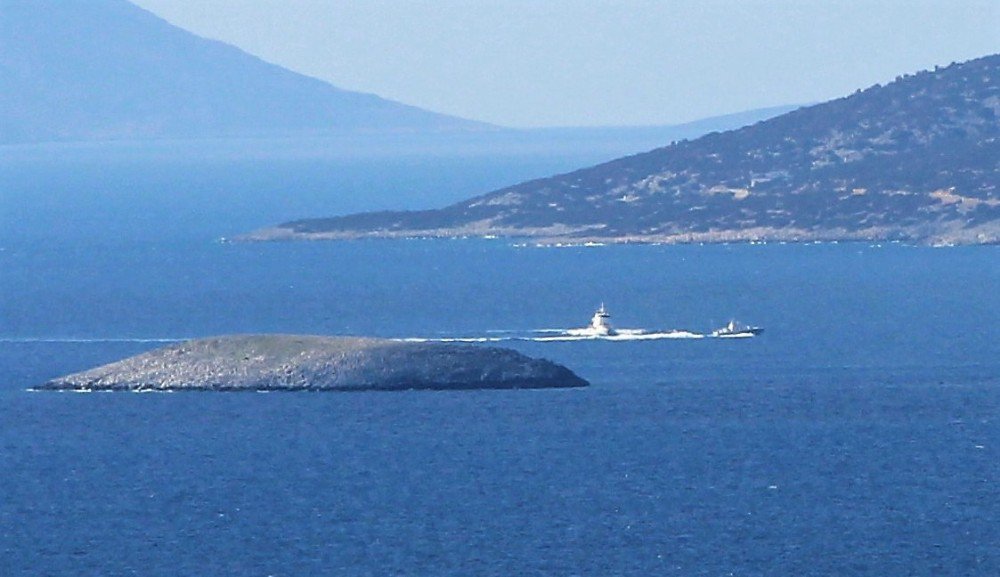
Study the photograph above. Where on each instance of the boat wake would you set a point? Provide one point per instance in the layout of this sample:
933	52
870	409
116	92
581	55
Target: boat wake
599	329
560	335
621	335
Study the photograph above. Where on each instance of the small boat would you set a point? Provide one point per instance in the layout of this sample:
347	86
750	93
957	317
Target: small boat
737	329
599	323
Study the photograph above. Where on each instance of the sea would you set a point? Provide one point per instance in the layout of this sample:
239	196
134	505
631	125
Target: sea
859	434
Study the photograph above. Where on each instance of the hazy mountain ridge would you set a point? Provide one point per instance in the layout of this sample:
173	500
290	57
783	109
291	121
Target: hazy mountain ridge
107	69
917	159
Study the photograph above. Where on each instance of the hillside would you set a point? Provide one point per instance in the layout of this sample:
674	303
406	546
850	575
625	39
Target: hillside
107	69
917	160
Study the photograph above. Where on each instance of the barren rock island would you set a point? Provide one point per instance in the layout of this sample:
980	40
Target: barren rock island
316	363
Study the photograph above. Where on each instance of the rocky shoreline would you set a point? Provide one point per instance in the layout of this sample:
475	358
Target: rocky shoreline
938	236
913	161
314	363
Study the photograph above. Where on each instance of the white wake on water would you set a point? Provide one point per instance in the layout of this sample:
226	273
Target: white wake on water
493	336
456	339
560	335
631	335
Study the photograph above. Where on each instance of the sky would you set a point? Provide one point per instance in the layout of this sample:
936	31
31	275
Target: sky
523	63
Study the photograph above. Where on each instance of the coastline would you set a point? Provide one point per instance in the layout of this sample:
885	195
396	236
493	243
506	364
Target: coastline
561	235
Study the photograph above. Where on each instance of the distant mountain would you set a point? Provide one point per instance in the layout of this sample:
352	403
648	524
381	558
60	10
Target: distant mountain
915	160
107	69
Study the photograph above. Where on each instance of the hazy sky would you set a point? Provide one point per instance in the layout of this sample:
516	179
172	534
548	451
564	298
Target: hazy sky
598	62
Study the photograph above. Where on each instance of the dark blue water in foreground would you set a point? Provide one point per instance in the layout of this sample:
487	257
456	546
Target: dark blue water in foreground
857	436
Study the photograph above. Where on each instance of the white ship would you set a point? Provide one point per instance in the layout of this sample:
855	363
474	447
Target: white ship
600	325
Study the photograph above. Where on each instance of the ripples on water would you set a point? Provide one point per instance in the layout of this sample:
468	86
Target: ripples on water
856	436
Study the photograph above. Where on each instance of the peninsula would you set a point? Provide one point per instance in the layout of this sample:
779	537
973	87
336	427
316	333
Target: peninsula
314	363
916	160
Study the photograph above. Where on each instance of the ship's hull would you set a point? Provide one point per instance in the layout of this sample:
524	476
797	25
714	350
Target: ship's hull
750	332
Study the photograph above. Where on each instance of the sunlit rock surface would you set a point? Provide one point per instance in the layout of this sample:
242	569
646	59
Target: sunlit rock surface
313	363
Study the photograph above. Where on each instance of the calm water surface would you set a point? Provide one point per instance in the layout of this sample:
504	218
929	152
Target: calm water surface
857	436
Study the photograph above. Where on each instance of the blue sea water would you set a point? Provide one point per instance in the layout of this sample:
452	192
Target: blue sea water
857	436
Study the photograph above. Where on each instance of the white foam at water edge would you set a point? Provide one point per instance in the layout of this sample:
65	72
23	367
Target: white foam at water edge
630	336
